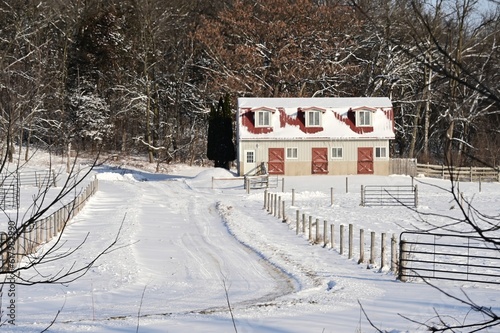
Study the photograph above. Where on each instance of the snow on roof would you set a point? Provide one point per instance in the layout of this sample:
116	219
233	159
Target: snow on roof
323	102
334	121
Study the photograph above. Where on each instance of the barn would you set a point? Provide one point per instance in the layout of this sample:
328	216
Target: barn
323	136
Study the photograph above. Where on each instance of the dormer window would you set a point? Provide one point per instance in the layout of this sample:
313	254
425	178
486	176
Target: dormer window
263	116
263	119
313	116
364	117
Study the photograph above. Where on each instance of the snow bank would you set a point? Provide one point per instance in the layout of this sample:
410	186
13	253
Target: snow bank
207	175
113	176
204	178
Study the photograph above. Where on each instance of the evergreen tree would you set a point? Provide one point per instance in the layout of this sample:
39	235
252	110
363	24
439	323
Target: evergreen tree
220	146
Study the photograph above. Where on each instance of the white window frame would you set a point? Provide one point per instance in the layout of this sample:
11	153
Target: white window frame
247	153
336	156
294	155
315	114
378	153
260	117
361	120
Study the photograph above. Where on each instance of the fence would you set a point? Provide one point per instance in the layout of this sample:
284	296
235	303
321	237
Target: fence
448	257
459	173
396	195
403	166
9	196
261	181
437	256
25	240
214	179
252	182
38	178
324	234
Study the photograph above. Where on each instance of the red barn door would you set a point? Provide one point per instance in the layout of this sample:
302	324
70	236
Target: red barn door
276	163
365	161
319	161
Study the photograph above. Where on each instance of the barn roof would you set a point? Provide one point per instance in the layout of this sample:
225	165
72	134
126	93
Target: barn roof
337	123
322	102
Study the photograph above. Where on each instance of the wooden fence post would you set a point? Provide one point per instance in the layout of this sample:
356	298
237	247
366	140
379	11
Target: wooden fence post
265	199
54	178
297	224
382	251
372	248
18	255
275	204
403	255
394	254
38	233
47	229
341	239
325	232
351	238
293	197
303	223
54	224
270	203
346	184
58	220
361	246
416	196
331	196
362	195
310	228
25	238
279	207
332	236
283	215
317	231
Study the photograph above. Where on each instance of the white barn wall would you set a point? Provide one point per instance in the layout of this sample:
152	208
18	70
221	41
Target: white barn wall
302	165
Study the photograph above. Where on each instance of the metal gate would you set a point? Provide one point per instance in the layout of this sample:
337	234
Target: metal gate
448	257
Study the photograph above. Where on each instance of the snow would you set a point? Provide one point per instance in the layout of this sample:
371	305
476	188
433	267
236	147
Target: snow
333	128
186	241
321	102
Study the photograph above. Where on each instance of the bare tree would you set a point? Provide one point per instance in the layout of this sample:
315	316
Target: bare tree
457	46
280	48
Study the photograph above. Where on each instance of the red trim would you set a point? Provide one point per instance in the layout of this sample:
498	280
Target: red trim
248	119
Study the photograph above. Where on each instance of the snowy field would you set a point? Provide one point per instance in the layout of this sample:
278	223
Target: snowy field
184	246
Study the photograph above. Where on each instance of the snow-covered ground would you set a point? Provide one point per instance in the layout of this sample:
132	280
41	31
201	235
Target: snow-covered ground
184	246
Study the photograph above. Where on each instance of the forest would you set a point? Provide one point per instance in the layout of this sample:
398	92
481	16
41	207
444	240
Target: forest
140	76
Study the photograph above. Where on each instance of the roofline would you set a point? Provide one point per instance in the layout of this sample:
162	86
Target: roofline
320	102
